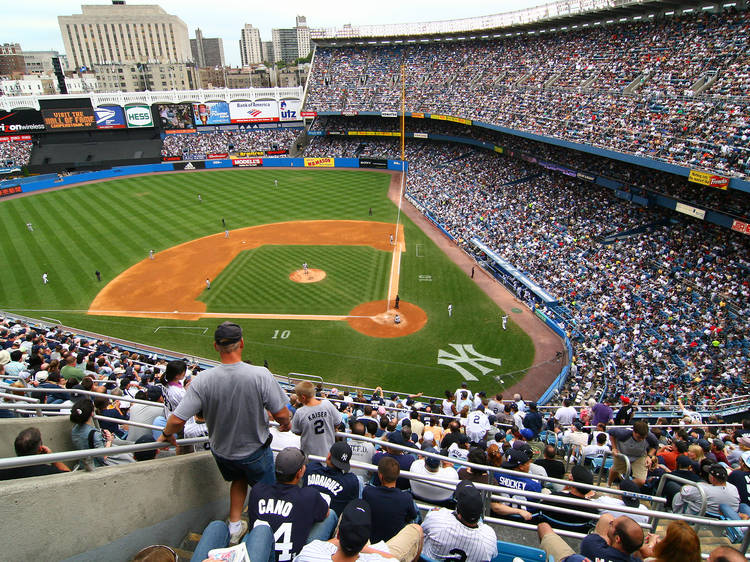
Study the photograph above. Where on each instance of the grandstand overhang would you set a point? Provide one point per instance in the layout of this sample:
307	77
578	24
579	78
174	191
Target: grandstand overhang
531	21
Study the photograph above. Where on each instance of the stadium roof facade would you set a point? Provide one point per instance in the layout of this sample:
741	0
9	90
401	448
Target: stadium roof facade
567	13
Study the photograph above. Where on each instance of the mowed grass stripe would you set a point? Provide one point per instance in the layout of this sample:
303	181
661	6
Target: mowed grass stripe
17	285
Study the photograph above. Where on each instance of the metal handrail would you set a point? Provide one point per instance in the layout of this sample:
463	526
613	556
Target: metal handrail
684	482
16	397
614	456
124	397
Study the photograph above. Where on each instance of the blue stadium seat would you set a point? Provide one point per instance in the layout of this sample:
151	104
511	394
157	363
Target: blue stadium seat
507	551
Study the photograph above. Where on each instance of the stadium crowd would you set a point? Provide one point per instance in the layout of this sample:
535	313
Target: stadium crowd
426	437
667	305
15	154
640	87
221	142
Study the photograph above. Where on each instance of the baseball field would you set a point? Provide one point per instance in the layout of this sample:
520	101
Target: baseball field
231	245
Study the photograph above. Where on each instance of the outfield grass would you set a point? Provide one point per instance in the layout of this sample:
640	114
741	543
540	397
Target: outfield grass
110	226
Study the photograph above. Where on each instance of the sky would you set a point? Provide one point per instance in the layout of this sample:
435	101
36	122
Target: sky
34	24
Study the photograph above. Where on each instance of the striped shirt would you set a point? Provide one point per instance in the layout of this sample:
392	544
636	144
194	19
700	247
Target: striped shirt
446	537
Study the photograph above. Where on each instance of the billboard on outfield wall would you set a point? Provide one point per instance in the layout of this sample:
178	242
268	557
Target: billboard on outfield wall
211	113
174	115
247	162
253	111
22	121
138	116
110	117
319	162
711	180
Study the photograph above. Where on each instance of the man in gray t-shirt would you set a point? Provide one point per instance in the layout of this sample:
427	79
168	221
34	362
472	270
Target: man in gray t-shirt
316	421
234	398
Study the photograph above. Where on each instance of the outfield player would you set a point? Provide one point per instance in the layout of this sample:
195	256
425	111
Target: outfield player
460	535
276	183
44	277
505	321
292	512
29	227
450	310
200	199
315	421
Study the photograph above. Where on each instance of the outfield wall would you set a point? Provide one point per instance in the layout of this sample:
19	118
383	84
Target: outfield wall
48	181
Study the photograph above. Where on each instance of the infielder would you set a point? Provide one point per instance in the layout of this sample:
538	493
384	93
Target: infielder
226	233
150	254
304	266
208	283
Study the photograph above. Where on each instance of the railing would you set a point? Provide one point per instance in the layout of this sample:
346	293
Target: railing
614	456
684	482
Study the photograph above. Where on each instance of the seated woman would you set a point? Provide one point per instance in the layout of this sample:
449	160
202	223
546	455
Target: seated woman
84	434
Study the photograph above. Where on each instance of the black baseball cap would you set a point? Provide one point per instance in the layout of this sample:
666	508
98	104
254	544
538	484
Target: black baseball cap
432	462
154	393
227	332
469	502
582	475
289	461
341	452
718	471
515	458
628	485
683	461
355	525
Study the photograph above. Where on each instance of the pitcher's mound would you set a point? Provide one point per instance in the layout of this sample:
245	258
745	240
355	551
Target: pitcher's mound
380	323
312	276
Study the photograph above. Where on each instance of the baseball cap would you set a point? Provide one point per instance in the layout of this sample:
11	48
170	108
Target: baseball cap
396	437
428	437
153	393
745	456
704	444
719	444
718	471
227	332
630	486
582	475
526	433
289	461
355	525
4	357
41	376
515	458
469	502
432	462
341	452
683	461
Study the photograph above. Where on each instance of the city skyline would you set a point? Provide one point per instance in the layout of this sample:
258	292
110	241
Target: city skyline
36	28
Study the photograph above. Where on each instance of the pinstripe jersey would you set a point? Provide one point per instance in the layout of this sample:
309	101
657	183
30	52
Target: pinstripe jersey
446	538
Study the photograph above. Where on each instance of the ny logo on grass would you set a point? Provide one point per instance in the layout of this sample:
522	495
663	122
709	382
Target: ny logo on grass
465	353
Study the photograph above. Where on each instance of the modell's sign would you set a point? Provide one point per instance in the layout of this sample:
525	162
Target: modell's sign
711	180
247	162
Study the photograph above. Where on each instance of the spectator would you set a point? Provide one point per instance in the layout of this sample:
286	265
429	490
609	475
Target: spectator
636	444
717	491
362	451
316	421
553	467
476	475
565	414
628	500
391	507
432	466
680	544
570	521
234	398
354	532
740	478
517	461
296	515
142	413
333	479
29	442
404	460
533	420
460	533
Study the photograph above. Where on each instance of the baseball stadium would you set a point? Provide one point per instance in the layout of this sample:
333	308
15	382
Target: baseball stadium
511	248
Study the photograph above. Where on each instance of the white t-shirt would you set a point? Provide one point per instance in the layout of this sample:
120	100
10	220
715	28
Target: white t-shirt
565	416
283	439
446	537
615	503
595	450
322	551
362	451
477	425
429	492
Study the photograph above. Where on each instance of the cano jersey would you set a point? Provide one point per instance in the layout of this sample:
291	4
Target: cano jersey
291	512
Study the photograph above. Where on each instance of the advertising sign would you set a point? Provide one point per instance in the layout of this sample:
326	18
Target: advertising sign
692	211
276	152
217	156
69	119
175	115
308	113
198	165
449	118
5	191
289	110
246	154
22	121
15	138
740	226
137	116
585	176
318	162
705	178
373	163
211	113
388	114
247	162
110	117
253	111
373	134
170	158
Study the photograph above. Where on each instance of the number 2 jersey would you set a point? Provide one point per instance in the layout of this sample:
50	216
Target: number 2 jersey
446	538
291	512
317	426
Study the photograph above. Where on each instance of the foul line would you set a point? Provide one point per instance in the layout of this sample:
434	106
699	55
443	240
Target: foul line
181	328
271	316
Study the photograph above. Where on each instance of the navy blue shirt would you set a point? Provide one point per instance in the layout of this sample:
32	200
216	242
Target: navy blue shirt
404	462
391	510
291	512
337	488
594	547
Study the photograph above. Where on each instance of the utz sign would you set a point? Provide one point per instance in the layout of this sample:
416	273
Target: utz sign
138	116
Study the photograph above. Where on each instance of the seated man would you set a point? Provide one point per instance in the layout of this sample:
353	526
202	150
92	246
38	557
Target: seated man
29	442
392	508
519	462
333	480
291	511
573	521
355	529
259	542
613	540
718	493
460	534
432	466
